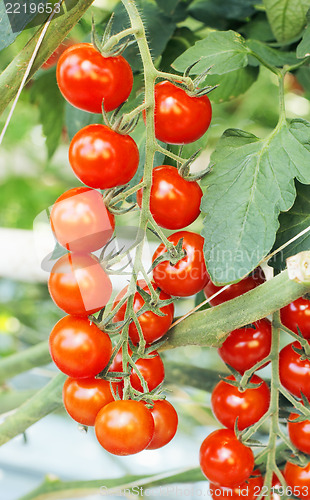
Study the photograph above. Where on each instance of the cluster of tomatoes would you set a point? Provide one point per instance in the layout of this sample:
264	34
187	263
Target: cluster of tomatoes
225	460
104	158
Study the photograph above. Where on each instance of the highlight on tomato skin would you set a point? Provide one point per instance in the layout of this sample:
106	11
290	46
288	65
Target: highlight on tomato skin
79	285
78	348
80	220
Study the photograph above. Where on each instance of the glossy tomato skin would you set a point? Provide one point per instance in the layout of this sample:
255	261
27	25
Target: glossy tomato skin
85	78
179	117
189	275
124	427
101	158
294	372
246	346
153	326
78	348
80	220
166	424
152	370
228	403
252	281
78	285
297	314
224	460
174	202
298	479
84	398
249	490
299	433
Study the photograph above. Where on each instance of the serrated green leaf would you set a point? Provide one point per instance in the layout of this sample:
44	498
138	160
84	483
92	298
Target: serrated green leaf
250	183
225	51
272	56
232	84
76	119
303	48
291	223
286	17
159	27
45	93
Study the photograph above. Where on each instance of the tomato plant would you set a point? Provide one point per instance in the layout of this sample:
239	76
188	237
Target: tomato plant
79	348
80	220
294	371
166	424
87	79
298	479
102	158
189	275
124	427
174	201
296	315
299	433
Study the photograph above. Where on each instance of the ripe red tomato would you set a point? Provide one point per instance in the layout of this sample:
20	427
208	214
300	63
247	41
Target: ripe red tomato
299	433
124	427
85	78
179	117
153	326
224	460
174	202
297	314
166	424
298	478
252	281
244	347
189	275
80	220
78	285
152	370
294	372
249	406
79	348
84	398
102	158
249	490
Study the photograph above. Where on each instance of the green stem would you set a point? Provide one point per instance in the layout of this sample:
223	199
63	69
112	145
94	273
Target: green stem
24	360
122	196
115	39
11	77
282	116
271	68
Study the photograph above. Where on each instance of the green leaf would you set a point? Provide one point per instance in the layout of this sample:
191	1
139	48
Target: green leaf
12	24
76	119
45	93
250	183
159	27
286	17
258	28
232	84
303	49
214	13
225	51
272	56
291	223
168	6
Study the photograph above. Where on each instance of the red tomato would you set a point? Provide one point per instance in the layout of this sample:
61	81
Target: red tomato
52	60
252	281
179	117
224	460
84	398
80	220
85	78
124	427
249	406
294	372
166	424
298	478
79	285
189	275
174	202
249	490
79	348
244	347
102	158
297	314
299	433
151	369
153	326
